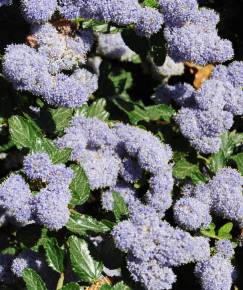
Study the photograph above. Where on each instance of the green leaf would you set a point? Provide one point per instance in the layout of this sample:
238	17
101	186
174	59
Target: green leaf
121	80
54	255
23	131
47	145
151	3
135	112
97	109
119	206
160	112
106	287
79	186
210	231
225	230
138	44
82	224
121	286
118	286
95	25
32	280
83	264
61	117
229	141
60	156
238	158
183	169
7	146
71	286
9	250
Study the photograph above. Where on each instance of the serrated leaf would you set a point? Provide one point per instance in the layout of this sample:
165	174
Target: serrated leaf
47	145
183	169
54	255
79	186
82	224
160	112
134	111
119	206
225	229
32	280
229	141
83	264
97	109
61	117
82	111
71	286
23	132
238	158
60	156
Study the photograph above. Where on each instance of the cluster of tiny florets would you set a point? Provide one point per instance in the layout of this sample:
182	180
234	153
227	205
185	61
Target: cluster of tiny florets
147	20
224	248
221	196
191	33
191	214
215	273
27	259
154	247
123	152
208	112
40	69
49	206
38	11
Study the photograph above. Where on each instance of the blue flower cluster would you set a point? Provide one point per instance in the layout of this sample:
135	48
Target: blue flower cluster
48	207
191	33
154	247
28	259
147	20
221	196
208	112
39	69
115	157
38	11
215	273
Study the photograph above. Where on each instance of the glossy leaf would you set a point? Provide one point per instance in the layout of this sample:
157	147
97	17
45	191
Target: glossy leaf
83	264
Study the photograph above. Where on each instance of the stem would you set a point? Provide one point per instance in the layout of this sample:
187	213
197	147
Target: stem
203	158
60	281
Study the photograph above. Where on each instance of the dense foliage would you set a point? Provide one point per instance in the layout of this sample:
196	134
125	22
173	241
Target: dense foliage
121	144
